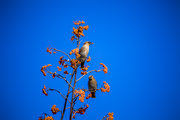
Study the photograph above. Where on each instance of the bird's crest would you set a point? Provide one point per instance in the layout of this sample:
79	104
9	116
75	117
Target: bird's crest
88	42
90	77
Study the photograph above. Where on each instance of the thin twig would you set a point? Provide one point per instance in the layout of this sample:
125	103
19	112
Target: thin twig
87	73
62	52
68	108
105	116
60	76
59	93
85	90
44	114
67	82
74	113
75	99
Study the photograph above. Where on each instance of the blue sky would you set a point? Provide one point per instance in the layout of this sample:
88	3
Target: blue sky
138	40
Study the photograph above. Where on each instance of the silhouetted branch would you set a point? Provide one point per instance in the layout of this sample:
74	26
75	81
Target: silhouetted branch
72	99
87	73
86	90
105	117
59	93
64	109
60	76
68	108
62	52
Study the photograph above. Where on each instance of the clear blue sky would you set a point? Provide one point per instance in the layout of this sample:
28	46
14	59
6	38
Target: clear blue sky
138	40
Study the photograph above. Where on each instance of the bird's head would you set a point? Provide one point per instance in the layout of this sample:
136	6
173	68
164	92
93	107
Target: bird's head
90	77
88	43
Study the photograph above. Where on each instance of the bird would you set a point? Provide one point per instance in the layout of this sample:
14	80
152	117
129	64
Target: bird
92	86
84	52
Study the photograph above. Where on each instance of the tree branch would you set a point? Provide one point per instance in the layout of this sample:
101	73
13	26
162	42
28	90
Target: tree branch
87	73
67	96
67	82
59	93
68	108
62	52
72	99
105	117
60	76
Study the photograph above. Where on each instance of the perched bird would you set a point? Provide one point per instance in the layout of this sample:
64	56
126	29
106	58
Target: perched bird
92	86
84	52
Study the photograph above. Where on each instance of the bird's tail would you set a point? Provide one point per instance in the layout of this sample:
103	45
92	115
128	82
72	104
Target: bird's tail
82	64
93	94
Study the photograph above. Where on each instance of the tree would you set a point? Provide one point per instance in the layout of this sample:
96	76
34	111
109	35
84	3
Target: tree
74	61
